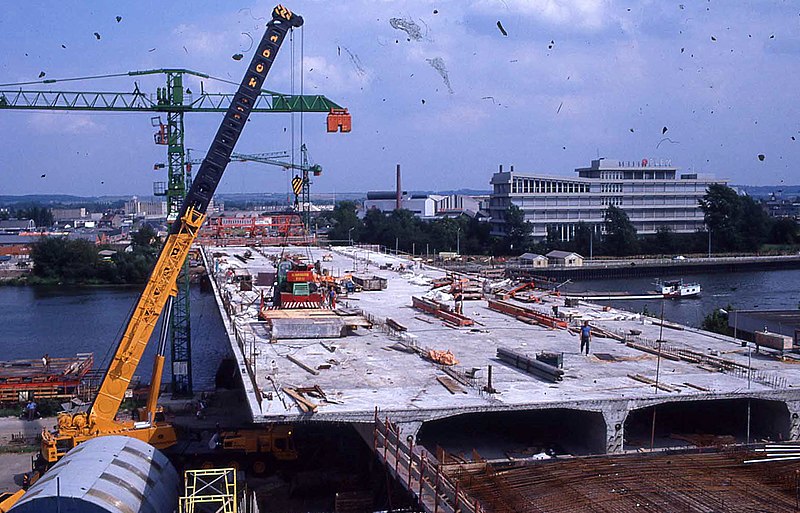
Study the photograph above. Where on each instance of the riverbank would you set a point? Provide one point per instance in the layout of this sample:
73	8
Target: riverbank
636	268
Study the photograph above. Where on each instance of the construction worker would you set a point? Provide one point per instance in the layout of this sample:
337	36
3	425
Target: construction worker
332	297
586	336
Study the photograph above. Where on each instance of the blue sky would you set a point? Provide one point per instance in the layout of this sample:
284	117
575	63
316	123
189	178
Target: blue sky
572	80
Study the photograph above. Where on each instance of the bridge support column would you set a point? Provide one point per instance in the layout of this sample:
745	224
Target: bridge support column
615	429
794	419
409	429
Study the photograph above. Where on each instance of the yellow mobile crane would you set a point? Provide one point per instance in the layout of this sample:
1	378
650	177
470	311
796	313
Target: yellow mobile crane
100	420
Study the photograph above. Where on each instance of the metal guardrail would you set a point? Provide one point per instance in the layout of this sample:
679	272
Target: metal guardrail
420	472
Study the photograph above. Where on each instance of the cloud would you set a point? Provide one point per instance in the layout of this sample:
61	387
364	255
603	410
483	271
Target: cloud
62	123
325	77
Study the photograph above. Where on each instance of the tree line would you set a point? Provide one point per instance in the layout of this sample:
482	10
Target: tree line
734	223
59	260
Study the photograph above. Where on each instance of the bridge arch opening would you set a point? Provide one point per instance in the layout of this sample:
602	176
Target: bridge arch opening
703	423
518	434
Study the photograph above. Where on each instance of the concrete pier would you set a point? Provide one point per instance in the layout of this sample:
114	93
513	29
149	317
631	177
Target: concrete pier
700	385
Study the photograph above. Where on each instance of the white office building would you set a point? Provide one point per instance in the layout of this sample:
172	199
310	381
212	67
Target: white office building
650	192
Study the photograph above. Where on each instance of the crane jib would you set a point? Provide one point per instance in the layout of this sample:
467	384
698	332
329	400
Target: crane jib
219	154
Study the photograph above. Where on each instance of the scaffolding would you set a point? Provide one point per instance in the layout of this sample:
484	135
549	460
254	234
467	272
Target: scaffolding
209	491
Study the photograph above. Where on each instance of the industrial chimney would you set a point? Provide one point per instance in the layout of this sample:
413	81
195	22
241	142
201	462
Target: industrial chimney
399	204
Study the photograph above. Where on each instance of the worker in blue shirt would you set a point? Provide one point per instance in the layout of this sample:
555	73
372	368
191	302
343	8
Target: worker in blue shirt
586	336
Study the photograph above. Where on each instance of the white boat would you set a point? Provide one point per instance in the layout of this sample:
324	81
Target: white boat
677	288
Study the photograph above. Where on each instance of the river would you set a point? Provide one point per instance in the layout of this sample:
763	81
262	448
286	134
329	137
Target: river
65	321
742	291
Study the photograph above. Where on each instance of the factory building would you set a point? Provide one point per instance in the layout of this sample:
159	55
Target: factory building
652	193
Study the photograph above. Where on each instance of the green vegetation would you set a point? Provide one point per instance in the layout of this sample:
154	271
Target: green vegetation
717	322
41	216
58	260
45	407
738	223
409	233
620	238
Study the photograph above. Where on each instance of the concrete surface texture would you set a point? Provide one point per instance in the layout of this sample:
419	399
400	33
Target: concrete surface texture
374	368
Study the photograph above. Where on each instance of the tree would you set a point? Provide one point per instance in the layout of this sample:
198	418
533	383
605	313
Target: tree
717	321
582	242
375	227
722	210
144	237
519	230
754	224
69	261
346	224
42	216
620	238
784	231
664	240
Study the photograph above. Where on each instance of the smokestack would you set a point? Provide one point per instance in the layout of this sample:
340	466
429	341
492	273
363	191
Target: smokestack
399	204
501	168
512	169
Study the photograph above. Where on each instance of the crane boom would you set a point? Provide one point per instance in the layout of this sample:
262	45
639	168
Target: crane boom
100	420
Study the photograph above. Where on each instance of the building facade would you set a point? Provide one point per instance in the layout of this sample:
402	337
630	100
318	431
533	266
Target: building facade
147	209
426	206
652	194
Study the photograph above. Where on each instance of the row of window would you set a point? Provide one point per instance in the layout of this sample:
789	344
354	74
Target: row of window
614	200
535	186
611	187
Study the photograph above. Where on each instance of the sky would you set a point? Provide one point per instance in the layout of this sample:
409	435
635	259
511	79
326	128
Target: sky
447	89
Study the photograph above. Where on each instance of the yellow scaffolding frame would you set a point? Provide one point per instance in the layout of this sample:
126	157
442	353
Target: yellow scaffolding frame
209	491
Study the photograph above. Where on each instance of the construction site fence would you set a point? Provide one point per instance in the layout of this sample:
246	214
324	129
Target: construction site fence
420	472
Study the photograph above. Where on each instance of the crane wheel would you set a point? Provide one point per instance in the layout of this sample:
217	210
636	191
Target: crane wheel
234	465
259	467
207	465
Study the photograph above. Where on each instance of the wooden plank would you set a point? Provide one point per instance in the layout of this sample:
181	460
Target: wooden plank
696	387
450	384
648	349
304	404
646	380
302	365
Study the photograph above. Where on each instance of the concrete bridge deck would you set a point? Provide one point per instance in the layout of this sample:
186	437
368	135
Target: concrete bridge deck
598	403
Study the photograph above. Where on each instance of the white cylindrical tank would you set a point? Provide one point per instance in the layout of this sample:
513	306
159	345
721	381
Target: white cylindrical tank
108	474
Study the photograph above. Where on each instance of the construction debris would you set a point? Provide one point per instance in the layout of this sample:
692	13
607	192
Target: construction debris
304	404
443	357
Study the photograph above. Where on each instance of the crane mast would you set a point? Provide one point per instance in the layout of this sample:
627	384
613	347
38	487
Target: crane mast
100	419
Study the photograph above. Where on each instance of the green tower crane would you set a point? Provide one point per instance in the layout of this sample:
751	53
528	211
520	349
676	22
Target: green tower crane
174	101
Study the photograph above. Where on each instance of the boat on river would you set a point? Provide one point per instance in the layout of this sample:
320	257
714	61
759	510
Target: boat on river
677	288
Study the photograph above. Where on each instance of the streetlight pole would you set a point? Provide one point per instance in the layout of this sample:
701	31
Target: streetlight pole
709	242
349	238
458	241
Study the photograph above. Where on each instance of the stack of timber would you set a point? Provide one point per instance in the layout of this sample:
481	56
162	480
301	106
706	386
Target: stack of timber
526	314
312	322
530	365
441	311
61	378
